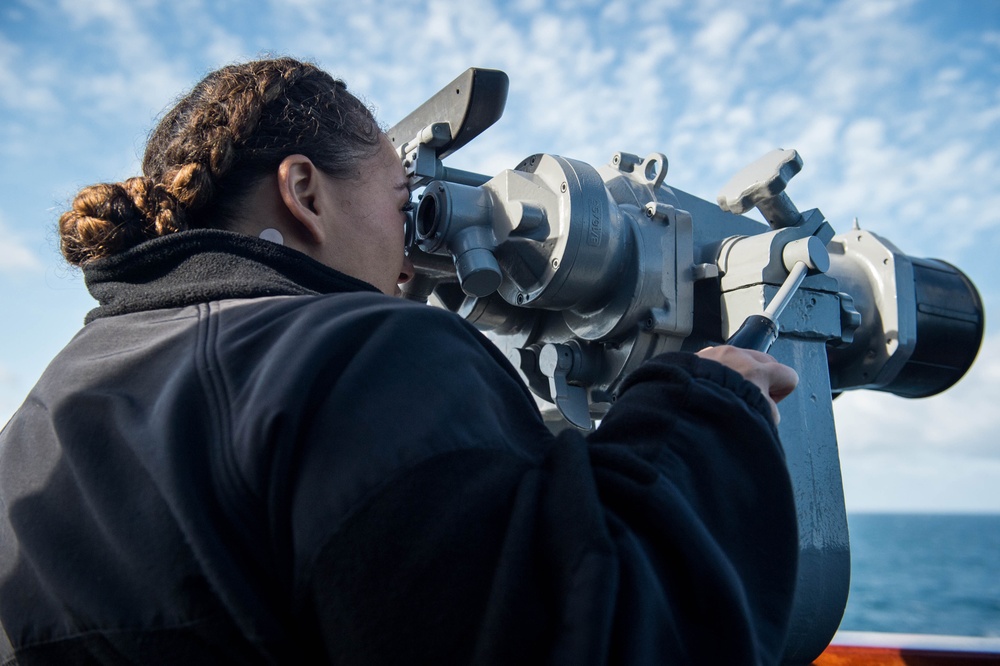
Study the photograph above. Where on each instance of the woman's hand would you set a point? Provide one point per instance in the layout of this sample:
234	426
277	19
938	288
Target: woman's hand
775	380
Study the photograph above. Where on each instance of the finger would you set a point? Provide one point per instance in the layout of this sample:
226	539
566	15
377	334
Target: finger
783	381
775	379
775	414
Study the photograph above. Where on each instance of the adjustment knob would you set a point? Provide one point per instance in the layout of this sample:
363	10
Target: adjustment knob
560	363
762	185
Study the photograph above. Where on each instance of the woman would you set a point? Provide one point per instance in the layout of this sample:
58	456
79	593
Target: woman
250	455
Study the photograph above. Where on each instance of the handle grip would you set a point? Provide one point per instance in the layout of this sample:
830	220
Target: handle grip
757	332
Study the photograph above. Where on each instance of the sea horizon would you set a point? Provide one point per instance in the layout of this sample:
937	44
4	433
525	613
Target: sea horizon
924	573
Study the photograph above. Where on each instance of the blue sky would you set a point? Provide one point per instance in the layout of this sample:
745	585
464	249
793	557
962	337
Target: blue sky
894	106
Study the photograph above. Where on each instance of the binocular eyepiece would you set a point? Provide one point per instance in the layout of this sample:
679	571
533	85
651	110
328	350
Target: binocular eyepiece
457	218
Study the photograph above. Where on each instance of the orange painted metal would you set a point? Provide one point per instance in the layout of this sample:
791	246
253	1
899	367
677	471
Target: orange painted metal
849	655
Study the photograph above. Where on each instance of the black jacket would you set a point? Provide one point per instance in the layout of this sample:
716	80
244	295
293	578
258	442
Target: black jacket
247	457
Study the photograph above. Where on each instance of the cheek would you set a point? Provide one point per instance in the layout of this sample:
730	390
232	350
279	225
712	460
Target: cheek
391	238
394	225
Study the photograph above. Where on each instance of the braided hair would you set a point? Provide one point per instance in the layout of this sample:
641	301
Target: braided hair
231	130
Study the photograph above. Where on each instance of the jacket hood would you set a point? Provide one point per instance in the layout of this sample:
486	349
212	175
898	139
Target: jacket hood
202	265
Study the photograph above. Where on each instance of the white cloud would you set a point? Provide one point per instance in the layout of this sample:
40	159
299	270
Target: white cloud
528	6
15	256
931	454
876	10
222	47
721	35
920	482
960	422
10	397
145	74
25	85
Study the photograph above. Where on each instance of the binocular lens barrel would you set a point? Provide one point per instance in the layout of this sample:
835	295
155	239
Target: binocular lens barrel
950	326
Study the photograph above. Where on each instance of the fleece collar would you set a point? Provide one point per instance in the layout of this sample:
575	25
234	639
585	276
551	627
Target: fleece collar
204	265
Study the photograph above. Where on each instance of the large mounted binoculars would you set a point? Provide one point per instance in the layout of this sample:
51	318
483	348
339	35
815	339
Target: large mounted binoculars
579	274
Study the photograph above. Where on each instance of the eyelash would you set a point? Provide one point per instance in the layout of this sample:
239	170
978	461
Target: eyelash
407	207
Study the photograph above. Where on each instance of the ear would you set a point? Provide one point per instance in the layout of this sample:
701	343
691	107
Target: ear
298	183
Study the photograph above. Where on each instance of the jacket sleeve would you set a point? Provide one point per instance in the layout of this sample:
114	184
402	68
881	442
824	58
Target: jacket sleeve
469	534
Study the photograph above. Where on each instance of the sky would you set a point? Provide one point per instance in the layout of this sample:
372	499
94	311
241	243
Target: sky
894	106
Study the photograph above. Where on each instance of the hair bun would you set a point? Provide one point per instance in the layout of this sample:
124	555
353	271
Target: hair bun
112	217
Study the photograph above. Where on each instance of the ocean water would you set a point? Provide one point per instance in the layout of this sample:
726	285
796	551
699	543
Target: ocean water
924	574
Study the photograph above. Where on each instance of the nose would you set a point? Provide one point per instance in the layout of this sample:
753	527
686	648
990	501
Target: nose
406	272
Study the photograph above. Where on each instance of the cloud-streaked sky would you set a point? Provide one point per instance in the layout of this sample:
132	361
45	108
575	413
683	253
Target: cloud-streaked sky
894	106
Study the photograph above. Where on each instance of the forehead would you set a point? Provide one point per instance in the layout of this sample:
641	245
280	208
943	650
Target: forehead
387	162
